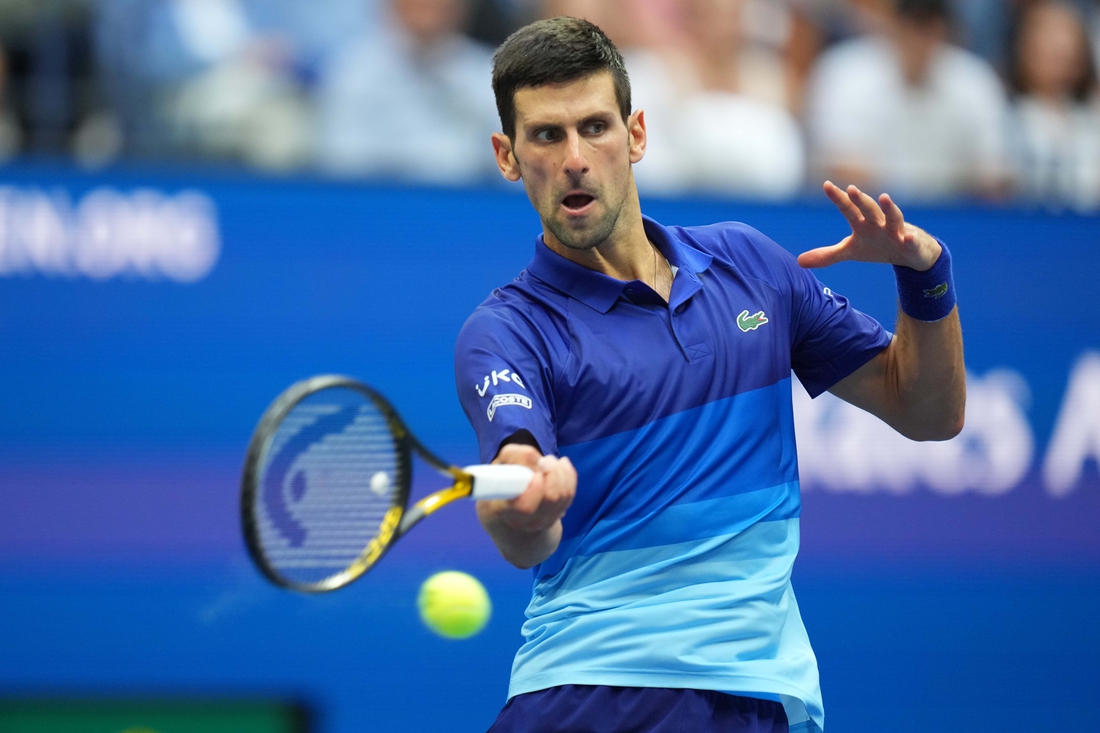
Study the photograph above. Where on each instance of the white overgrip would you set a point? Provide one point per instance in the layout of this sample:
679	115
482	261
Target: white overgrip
500	481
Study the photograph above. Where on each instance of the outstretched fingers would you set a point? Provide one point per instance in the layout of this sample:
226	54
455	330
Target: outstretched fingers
895	220
867	206
843	202
879	233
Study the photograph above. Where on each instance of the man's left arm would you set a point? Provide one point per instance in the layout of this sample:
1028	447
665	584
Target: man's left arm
917	384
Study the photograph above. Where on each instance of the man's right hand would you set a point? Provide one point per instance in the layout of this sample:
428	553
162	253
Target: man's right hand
527	529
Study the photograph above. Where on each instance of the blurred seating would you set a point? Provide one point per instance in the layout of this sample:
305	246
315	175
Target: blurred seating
1056	140
983	27
905	110
11	136
1092	22
746	98
50	84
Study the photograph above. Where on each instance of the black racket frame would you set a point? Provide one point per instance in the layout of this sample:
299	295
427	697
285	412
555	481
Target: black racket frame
399	519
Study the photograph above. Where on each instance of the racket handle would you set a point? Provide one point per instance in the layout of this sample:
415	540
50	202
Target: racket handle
500	481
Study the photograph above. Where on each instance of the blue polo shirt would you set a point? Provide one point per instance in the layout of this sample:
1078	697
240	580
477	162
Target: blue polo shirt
675	560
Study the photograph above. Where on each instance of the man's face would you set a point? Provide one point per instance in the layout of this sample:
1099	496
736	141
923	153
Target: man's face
428	21
1053	51
573	152
917	43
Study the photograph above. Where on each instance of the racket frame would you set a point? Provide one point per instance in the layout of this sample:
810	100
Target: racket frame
399	518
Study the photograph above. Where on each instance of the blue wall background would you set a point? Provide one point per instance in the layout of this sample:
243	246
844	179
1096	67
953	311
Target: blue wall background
126	405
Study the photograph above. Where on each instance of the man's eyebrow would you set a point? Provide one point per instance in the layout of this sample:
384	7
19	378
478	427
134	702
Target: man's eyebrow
538	125
602	116
535	124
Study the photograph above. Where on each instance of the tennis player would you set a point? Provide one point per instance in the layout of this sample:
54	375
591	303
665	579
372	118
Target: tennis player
644	370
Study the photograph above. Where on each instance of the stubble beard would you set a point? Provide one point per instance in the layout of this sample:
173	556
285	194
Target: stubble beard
588	235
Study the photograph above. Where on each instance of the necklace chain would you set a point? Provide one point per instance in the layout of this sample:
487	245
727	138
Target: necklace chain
656	285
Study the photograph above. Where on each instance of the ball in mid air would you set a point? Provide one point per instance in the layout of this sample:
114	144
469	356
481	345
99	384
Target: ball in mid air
380	483
454	605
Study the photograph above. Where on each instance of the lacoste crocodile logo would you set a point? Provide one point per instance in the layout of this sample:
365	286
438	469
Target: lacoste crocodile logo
937	292
750	323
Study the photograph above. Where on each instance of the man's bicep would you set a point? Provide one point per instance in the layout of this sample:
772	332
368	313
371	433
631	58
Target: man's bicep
522	436
831	340
866	387
503	388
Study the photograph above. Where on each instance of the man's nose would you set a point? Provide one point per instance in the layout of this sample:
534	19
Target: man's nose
576	160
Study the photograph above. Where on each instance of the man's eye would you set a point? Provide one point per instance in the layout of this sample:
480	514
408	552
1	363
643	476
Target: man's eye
597	128
546	136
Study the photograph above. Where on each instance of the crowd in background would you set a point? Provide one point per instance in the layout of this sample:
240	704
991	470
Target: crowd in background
929	99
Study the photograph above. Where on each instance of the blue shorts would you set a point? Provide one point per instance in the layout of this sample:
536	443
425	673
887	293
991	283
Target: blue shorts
600	709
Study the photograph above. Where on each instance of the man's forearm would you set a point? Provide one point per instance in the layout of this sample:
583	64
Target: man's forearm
527	529
521	548
926	378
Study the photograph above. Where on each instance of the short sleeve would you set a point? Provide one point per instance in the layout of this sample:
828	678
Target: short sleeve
829	338
502	375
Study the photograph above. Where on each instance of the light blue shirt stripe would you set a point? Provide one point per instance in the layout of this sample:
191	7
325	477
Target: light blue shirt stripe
717	614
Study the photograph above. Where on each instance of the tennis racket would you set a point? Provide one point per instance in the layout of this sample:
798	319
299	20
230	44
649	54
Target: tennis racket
326	484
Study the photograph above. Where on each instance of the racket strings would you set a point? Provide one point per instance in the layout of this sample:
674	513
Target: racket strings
331	474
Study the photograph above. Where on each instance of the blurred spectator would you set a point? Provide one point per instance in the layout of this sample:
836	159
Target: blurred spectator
247	103
988	27
413	101
491	21
126	46
1057	117
725	59
906	111
736	135
206	77
713	104
840	20
817	24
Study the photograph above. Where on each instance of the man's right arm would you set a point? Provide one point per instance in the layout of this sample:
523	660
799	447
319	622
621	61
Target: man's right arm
528	529
501	365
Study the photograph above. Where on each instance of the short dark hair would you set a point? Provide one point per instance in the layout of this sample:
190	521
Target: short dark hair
554	51
924	11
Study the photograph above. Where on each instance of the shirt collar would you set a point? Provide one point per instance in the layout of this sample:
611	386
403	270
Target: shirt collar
599	291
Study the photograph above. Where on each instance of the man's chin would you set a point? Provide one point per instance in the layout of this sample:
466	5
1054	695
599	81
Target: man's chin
580	233
579	239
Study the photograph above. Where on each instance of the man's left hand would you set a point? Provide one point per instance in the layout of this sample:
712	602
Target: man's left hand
879	234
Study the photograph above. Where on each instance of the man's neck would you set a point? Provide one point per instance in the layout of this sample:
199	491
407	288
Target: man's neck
625	255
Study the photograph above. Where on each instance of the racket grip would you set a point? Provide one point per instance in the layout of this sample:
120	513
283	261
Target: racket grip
500	481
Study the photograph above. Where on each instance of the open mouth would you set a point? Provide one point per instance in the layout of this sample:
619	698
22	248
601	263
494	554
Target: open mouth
577	201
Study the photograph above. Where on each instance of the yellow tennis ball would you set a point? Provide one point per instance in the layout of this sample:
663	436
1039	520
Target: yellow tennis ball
454	604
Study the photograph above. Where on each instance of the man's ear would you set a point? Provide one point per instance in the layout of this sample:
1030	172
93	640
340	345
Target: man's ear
506	160
635	126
